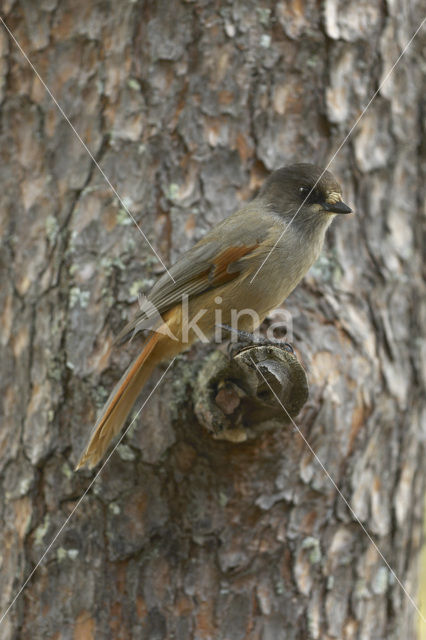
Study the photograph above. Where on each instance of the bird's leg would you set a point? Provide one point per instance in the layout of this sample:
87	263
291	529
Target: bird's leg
247	339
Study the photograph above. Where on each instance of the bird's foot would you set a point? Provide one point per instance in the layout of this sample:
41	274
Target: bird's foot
241	340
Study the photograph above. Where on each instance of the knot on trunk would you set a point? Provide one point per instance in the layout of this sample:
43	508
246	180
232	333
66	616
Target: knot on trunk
237	397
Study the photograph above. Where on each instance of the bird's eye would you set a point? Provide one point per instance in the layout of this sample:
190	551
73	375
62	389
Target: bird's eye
309	195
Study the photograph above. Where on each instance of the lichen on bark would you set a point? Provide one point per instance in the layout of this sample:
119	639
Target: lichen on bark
187	106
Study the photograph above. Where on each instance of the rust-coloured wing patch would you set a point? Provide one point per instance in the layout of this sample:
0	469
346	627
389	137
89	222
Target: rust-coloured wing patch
221	270
201	269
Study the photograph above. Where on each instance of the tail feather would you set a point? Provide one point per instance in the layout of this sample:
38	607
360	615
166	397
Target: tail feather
119	404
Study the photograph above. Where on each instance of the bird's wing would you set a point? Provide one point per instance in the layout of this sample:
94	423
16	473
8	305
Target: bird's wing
217	259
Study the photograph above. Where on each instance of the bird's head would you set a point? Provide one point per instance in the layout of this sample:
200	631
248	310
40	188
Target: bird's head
306	189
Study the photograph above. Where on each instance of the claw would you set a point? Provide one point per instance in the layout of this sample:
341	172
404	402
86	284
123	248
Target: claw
246	339
244	336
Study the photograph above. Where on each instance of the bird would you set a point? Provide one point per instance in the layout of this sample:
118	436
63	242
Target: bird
245	266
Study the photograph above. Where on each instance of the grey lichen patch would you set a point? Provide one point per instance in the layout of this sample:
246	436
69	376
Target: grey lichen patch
314	551
279	587
101	394
17	485
361	590
149	260
264	15
97	487
138	286
24	485
265	40
173	191
52	228
61	554
223	499
41	530
133	424
134	84
55	374
215	360
312	61
180	383
123	218
327	268
67	471
230	29
79	297
114	508
108	262
125	452
380	582
313	619
392	578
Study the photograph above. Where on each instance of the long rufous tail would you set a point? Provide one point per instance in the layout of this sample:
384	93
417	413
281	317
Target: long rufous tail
119	404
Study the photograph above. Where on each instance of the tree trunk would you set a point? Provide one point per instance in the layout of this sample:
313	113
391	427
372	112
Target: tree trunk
187	106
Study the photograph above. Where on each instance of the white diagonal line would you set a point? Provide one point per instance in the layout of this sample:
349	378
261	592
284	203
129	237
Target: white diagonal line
107	180
345	139
341	495
161	261
52	542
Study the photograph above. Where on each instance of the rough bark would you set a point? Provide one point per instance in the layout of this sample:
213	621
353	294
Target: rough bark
187	106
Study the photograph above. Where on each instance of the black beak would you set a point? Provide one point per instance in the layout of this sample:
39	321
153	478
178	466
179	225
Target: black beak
337	207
